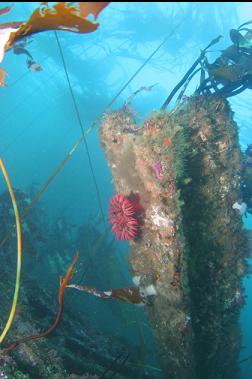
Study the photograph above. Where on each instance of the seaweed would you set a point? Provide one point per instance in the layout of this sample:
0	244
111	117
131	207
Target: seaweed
130	295
2	77
63	285
19	253
60	16
94	8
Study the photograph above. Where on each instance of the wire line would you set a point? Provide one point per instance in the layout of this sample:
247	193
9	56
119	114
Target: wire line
82	129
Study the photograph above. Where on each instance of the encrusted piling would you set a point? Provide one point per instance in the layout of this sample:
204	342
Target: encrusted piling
149	162
187	257
214	233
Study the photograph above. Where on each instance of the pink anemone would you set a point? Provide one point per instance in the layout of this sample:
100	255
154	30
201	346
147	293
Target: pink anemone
123	216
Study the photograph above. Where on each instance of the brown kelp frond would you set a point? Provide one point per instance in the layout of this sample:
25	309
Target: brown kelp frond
87	8
60	16
67	278
130	295
57	17
2	77
63	284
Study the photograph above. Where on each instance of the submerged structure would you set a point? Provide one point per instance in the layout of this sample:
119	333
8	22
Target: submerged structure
181	191
188	254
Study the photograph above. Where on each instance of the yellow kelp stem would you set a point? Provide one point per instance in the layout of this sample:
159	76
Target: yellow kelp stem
19	253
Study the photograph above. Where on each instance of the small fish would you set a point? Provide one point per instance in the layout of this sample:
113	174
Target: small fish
6	10
33	66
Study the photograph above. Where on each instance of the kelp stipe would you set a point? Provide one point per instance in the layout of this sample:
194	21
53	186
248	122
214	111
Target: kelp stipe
63	284
19	253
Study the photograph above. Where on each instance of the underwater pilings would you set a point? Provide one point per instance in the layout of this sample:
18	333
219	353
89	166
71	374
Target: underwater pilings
188	256
147	163
214	233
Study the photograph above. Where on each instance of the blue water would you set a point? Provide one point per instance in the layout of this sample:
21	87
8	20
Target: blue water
38	122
